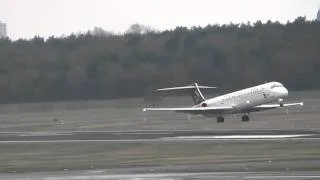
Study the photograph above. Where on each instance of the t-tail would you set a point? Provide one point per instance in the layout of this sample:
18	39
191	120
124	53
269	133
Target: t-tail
194	89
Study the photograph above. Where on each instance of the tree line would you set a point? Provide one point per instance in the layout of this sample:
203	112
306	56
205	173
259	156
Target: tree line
101	65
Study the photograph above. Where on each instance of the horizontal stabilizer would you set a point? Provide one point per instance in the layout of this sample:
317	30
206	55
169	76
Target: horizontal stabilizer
186	87
194	89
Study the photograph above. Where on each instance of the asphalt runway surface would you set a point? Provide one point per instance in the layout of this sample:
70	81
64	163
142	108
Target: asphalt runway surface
101	174
175	172
123	136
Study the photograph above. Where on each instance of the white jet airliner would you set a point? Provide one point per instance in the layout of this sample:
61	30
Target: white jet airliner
253	99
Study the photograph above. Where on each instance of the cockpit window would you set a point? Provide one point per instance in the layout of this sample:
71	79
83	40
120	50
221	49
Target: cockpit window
274	85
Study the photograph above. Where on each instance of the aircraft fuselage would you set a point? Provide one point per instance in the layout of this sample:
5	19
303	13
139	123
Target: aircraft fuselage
253	96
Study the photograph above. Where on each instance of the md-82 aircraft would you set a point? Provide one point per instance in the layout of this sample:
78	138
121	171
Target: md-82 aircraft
253	99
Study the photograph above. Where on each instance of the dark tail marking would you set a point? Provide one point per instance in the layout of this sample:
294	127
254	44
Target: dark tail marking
197	95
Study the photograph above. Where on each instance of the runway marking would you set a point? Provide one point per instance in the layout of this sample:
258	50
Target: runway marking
142	133
165	131
76	141
281	177
248	137
147	176
151	140
45	134
164	176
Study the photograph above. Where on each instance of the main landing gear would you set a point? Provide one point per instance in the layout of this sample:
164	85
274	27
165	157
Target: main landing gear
245	118
220	119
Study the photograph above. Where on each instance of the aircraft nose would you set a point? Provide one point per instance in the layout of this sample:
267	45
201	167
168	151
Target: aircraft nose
283	91
280	92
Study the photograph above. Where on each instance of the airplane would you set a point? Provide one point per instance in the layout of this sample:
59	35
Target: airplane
245	101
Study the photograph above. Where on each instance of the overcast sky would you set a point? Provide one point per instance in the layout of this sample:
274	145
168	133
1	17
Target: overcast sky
27	18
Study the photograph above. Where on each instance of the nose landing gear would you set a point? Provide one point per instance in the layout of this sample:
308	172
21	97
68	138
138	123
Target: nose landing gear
220	119
245	118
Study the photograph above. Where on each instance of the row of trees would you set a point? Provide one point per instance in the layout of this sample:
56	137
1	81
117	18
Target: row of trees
100	65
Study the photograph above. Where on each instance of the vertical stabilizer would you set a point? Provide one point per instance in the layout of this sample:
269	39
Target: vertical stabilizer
196	94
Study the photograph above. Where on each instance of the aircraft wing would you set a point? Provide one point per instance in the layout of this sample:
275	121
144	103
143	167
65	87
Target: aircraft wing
195	110
273	106
223	109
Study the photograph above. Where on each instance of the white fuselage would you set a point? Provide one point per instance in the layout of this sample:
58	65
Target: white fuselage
250	97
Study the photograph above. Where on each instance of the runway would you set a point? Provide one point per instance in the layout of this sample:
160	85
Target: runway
124	143
145	136
104	174
159	151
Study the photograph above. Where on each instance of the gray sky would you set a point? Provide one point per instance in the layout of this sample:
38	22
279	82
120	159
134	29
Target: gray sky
27	18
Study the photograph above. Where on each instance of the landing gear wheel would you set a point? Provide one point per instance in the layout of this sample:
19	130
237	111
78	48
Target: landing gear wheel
220	119
245	118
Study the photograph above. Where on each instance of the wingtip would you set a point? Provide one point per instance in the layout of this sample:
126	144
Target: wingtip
301	104
144	109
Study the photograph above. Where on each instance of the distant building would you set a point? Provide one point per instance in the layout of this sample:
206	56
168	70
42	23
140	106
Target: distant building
3	30
318	15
